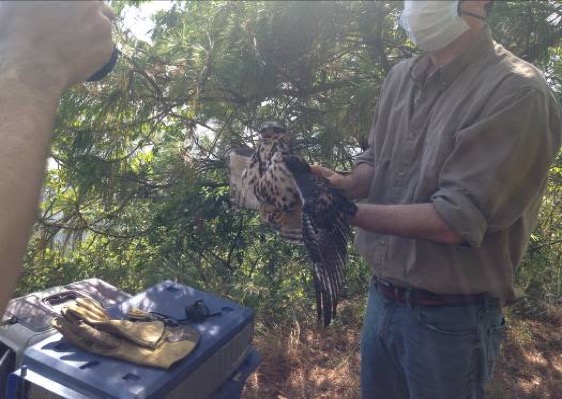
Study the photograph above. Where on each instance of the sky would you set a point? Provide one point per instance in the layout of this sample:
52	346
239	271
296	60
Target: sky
138	19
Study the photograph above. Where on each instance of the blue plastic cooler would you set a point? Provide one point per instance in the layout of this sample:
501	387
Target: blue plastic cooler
219	366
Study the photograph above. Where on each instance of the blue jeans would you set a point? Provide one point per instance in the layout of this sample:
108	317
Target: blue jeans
428	352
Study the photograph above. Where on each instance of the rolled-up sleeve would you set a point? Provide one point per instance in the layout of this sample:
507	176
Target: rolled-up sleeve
499	165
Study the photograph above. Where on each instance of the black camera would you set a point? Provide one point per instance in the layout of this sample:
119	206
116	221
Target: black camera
107	68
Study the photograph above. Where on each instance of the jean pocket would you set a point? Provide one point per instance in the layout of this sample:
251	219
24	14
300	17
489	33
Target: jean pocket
448	320
495	336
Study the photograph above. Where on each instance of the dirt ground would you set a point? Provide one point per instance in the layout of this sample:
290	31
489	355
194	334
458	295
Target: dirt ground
303	362
531	362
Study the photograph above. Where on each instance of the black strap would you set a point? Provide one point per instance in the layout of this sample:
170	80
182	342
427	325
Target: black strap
154	316
198	311
195	312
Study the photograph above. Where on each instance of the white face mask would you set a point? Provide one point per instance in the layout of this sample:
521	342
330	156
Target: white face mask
432	25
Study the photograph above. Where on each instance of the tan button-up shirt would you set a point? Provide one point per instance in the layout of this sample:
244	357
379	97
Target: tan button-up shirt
476	139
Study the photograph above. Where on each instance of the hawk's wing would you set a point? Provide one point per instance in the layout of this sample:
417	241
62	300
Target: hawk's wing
325	232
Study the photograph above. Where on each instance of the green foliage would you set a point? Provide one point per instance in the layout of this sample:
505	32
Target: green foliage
137	189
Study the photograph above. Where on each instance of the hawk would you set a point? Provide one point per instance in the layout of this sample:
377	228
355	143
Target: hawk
287	191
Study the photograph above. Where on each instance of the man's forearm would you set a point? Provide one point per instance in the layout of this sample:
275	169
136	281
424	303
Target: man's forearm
410	221
358	182
27	112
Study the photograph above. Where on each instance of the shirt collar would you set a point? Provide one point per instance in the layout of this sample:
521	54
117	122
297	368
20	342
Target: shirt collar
447	73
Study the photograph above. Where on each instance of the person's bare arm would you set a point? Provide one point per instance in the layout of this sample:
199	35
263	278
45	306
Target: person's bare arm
44	48
411	221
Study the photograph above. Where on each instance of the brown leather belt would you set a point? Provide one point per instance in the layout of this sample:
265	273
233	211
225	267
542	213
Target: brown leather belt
417	296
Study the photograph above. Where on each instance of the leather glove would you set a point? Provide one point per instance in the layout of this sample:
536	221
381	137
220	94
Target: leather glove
106	338
89	311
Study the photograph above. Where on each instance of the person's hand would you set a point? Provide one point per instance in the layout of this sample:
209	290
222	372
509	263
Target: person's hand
55	44
336	179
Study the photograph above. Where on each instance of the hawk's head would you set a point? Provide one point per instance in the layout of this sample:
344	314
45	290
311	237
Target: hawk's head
273	131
